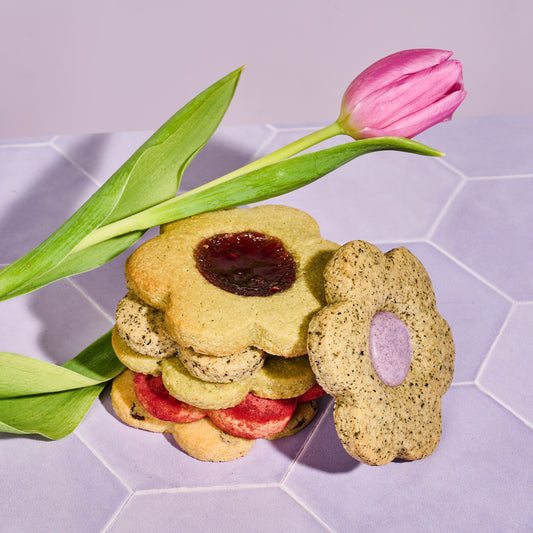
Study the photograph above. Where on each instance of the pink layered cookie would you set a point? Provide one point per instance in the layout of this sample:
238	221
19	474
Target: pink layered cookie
143	402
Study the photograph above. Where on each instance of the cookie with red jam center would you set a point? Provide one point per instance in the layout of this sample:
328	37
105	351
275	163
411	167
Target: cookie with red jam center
231	279
246	263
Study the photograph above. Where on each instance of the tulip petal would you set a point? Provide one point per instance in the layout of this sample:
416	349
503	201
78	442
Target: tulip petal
407	96
389	69
416	123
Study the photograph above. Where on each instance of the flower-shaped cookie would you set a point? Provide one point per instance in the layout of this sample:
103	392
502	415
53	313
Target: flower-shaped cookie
381	348
187	272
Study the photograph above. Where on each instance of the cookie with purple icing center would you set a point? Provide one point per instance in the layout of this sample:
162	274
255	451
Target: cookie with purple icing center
382	349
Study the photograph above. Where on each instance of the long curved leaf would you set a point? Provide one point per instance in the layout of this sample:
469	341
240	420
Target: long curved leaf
76	263
264	183
39	397
24	376
289	175
150	176
52	415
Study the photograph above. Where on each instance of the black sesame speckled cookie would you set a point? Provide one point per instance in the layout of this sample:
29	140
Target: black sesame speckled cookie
142	327
222	369
381	348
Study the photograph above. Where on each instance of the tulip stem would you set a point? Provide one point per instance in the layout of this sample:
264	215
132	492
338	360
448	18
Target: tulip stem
159	213
275	157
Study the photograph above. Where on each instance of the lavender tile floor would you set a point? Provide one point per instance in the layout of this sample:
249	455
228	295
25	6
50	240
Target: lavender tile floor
467	216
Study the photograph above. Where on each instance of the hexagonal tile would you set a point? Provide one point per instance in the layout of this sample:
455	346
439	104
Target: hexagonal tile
106	285
509	365
477	479
484	146
228	149
53	324
39	190
378	197
225	510
488	228
64	478
44	139
467	484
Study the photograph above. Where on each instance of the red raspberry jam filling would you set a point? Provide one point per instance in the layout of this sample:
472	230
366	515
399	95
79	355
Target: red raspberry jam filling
246	263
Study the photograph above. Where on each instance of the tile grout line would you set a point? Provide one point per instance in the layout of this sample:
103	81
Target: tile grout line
281	128
500	176
444	210
273	132
221	488
449	166
103	461
283	482
76	165
472	272
303	506
91	300
318	423
463	384
26	145
490	351
106	465
486	360
489	177
117	512
453	196
490	394
211	488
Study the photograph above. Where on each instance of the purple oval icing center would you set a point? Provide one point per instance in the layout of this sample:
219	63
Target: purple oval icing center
390	348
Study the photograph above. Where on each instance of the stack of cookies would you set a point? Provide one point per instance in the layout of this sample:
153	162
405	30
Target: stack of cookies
213	330
237	320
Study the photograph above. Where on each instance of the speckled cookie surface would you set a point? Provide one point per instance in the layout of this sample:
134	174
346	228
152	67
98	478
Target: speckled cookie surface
212	321
137	362
225	369
143	328
210	368
376	422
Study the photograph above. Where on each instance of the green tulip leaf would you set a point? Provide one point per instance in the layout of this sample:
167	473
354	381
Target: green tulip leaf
150	176
287	176
78	262
266	182
51	400
53	415
23	376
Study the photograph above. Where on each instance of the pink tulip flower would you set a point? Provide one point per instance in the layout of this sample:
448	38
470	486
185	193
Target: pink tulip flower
402	94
